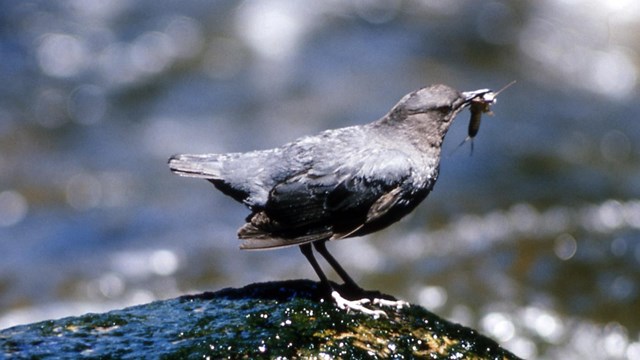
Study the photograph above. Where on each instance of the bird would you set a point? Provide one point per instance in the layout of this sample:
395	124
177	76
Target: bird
340	183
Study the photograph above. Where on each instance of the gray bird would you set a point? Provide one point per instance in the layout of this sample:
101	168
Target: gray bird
340	183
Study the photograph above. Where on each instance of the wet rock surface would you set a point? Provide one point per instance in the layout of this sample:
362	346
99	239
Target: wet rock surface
279	319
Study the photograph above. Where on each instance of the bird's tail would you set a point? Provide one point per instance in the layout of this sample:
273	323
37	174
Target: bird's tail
206	166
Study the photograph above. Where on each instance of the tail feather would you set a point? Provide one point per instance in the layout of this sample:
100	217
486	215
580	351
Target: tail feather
207	166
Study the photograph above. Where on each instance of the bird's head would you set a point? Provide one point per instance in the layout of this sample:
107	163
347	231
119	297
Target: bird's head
434	98
426	114
442	99
434	106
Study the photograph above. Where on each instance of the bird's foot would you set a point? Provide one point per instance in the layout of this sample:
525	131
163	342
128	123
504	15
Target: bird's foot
357	305
398	304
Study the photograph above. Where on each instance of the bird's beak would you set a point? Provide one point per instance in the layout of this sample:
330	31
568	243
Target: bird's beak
484	94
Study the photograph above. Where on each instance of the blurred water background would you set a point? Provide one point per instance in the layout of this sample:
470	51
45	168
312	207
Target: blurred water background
533	240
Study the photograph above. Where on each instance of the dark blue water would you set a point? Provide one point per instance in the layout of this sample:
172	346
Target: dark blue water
534	240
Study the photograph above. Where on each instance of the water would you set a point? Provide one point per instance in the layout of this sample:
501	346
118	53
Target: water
533	240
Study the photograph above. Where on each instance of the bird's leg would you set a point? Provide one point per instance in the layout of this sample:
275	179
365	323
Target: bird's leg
307	251
342	303
321	247
351	285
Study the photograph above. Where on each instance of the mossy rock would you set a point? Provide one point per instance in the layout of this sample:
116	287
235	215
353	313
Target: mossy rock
269	320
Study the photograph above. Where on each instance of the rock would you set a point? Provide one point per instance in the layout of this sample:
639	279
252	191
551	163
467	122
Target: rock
267	320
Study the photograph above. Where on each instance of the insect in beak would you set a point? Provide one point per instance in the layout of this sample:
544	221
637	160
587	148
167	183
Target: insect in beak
479	102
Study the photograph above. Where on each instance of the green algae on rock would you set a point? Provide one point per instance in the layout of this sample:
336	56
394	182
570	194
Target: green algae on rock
268	320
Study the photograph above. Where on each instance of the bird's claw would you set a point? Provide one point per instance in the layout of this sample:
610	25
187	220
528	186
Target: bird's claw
398	304
357	305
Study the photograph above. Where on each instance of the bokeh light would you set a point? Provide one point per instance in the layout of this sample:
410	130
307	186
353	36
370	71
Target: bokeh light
533	240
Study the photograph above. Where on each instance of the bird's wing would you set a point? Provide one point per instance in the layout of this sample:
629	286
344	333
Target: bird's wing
332	202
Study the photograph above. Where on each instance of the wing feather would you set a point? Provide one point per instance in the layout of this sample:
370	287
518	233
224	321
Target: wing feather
323	203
